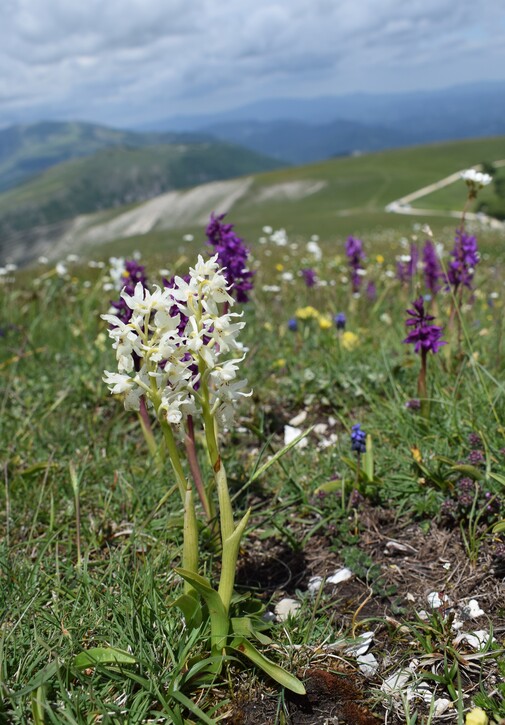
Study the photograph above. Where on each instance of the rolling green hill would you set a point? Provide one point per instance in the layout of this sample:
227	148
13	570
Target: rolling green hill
117	176
332	199
33	148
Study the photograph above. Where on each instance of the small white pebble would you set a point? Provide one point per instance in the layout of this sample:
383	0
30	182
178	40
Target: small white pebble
298	419
441	705
286	608
361	644
367	664
342	575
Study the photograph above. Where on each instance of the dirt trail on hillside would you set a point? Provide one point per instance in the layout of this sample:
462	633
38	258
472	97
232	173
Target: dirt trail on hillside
403	205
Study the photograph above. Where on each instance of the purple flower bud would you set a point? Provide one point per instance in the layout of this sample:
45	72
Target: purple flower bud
355	255
423	334
432	270
340	321
309	277
465	258
232	255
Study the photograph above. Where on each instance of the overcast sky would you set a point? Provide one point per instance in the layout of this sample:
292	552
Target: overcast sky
122	62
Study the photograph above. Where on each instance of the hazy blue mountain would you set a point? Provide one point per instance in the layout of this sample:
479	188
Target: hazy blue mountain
316	125
301	143
26	150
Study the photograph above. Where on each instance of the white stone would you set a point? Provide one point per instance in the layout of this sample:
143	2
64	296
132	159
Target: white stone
290	433
286	608
342	575
441	705
367	664
397	681
361	644
314	584
472	610
298	419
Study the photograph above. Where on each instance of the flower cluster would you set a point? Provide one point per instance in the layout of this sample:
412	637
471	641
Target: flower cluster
358	439
475	180
232	254
465	258
355	255
309	276
340	320
431	268
406	267
126	274
423	334
467	496
177	368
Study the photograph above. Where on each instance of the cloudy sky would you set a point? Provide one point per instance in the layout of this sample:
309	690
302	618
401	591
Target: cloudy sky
124	62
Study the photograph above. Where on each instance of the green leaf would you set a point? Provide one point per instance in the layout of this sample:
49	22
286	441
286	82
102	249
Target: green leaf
190	705
103	656
468	470
284	678
329	486
499	528
244	627
498	477
190	608
368	466
204	588
260	471
42	677
38	704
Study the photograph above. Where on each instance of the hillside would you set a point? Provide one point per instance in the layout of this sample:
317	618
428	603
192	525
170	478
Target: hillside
117	176
30	149
332	199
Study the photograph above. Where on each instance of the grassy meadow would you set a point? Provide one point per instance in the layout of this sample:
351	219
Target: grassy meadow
91	525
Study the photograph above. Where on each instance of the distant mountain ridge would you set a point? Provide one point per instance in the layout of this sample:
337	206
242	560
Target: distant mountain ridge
302	143
304	130
29	149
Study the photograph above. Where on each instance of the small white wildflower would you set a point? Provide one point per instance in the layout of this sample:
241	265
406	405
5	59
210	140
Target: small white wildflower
43	260
314	249
476	178
61	269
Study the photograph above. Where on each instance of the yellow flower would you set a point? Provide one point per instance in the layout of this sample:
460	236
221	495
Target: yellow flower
305	313
349	340
279	267
324	322
268	326
379	259
280	363
477	716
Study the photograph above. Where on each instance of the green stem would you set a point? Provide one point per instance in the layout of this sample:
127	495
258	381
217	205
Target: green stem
190	445
190	531
223	494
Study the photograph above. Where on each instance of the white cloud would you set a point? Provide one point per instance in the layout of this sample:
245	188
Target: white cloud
120	60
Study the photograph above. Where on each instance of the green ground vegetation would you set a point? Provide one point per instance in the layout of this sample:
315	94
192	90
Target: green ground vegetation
89	538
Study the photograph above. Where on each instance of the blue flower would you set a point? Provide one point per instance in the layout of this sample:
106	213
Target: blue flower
358	439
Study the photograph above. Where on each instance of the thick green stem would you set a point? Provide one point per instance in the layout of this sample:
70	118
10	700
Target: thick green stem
190	445
190	541
422	388
223	494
